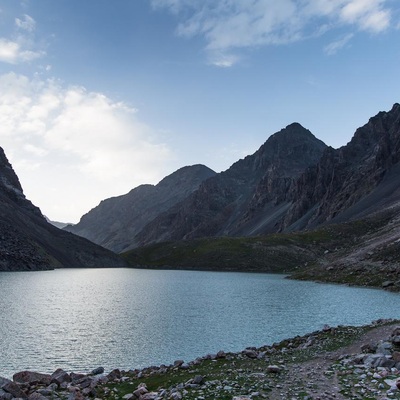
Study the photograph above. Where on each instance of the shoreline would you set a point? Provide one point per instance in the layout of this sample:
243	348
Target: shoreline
369	354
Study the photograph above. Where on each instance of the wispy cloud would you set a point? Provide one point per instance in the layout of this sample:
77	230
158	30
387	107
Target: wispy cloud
334	47
27	23
231	25
21	47
75	139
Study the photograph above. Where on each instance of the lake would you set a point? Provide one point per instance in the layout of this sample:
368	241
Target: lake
79	319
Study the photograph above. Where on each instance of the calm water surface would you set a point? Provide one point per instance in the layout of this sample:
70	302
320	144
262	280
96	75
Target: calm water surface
127	318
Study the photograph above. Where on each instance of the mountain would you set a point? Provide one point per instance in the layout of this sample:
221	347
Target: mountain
115	222
351	182
293	182
29	242
57	224
247	199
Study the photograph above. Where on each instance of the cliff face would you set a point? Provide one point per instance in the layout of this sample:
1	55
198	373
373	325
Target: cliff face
115	222
355	180
29	242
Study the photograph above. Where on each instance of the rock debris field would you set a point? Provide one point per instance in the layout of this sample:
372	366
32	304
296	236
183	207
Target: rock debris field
334	363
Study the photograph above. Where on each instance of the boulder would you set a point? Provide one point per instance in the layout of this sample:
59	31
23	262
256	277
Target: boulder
114	374
384	348
250	353
31	377
59	376
98	371
198	380
274	369
3	381
178	363
14	389
221	354
396	340
149	396
76	377
5	396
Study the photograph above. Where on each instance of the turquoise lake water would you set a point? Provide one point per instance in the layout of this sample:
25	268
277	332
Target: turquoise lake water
126	318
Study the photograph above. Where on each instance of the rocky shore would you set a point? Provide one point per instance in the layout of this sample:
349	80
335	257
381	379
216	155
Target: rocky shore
334	363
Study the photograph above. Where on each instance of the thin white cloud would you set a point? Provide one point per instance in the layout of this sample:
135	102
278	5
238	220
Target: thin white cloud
85	147
27	23
21	48
369	15
334	47
231	25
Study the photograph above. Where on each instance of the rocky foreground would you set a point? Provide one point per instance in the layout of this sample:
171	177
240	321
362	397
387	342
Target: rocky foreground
334	363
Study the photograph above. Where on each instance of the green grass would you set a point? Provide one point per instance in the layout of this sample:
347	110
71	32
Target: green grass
240	372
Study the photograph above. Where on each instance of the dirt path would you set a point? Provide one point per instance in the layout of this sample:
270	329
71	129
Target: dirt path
316	378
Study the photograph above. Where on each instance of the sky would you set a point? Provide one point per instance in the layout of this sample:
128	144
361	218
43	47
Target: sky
100	96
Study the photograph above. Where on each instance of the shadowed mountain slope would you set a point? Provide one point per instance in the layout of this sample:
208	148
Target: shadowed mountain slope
29	242
225	204
115	222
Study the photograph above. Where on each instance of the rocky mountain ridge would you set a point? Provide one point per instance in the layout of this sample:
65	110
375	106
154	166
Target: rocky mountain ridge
352	181
216	205
293	182
336	186
29	242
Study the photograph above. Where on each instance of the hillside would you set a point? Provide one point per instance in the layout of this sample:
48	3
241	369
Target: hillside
29	242
115	222
363	252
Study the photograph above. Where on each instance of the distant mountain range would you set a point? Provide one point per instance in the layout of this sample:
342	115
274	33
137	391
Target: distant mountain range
29	242
293	182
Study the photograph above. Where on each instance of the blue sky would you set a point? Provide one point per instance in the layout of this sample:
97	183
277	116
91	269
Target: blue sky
99	96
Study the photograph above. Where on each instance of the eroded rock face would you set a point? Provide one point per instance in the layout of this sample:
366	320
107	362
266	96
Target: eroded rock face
352	181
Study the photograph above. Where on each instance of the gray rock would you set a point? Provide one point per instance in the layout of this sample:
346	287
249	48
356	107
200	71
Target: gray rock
5	396
140	391
84	382
37	396
198	380
221	354
396	340
371	359
178	363
176	396
76	377
114	374
31	377
3	381
149	396
384	348
98	371
274	369
14	389
250	353
59	376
